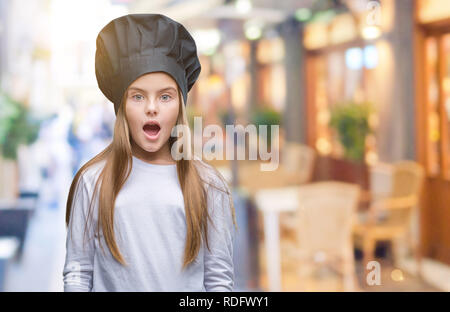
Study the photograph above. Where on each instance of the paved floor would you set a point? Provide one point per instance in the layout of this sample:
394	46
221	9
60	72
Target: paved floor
40	268
392	279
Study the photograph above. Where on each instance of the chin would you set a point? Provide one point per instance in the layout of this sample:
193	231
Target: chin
146	146
152	147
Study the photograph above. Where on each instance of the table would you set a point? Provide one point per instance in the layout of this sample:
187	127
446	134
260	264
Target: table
8	248
14	218
271	202
7	203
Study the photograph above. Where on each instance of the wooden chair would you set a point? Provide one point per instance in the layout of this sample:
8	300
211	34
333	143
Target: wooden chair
296	167
298	162
324	222
396	190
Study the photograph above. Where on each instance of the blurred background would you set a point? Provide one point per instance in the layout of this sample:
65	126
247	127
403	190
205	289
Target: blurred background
360	89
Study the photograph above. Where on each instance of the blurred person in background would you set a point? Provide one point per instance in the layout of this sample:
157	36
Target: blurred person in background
89	133
55	157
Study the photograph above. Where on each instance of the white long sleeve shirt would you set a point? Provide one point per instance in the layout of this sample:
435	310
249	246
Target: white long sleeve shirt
150	232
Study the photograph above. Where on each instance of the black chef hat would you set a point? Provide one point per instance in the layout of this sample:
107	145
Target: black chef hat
135	44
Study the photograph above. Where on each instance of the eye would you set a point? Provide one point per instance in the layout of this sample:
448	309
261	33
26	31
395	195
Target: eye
168	97
138	97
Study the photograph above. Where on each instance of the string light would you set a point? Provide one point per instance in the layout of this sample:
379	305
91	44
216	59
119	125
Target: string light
371	32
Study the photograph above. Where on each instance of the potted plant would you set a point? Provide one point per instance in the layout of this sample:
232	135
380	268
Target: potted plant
351	122
265	115
17	127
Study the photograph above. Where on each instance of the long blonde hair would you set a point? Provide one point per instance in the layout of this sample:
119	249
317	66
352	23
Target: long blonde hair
116	171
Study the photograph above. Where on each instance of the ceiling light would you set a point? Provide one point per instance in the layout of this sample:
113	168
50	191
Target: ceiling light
253	29
243	6
253	32
207	40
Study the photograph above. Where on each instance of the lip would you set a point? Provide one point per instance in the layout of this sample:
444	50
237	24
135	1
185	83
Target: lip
152	137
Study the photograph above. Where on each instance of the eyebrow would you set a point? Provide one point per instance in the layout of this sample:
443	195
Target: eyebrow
145	92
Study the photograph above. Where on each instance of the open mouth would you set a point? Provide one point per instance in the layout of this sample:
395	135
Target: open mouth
151	130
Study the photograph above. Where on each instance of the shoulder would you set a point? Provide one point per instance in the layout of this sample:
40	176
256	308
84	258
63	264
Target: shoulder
90	175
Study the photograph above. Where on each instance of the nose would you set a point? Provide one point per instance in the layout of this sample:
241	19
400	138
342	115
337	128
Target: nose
151	107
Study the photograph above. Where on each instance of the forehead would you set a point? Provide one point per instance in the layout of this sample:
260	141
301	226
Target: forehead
154	82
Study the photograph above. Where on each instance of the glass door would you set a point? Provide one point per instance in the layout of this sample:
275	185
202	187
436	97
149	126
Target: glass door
437	54
445	104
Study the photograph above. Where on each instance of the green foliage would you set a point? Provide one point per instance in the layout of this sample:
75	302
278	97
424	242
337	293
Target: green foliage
16	126
265	116
351	122
224	116
190	114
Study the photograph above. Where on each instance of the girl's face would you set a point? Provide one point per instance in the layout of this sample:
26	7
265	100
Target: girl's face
152	106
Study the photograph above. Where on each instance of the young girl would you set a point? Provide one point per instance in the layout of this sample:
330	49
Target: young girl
168	225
